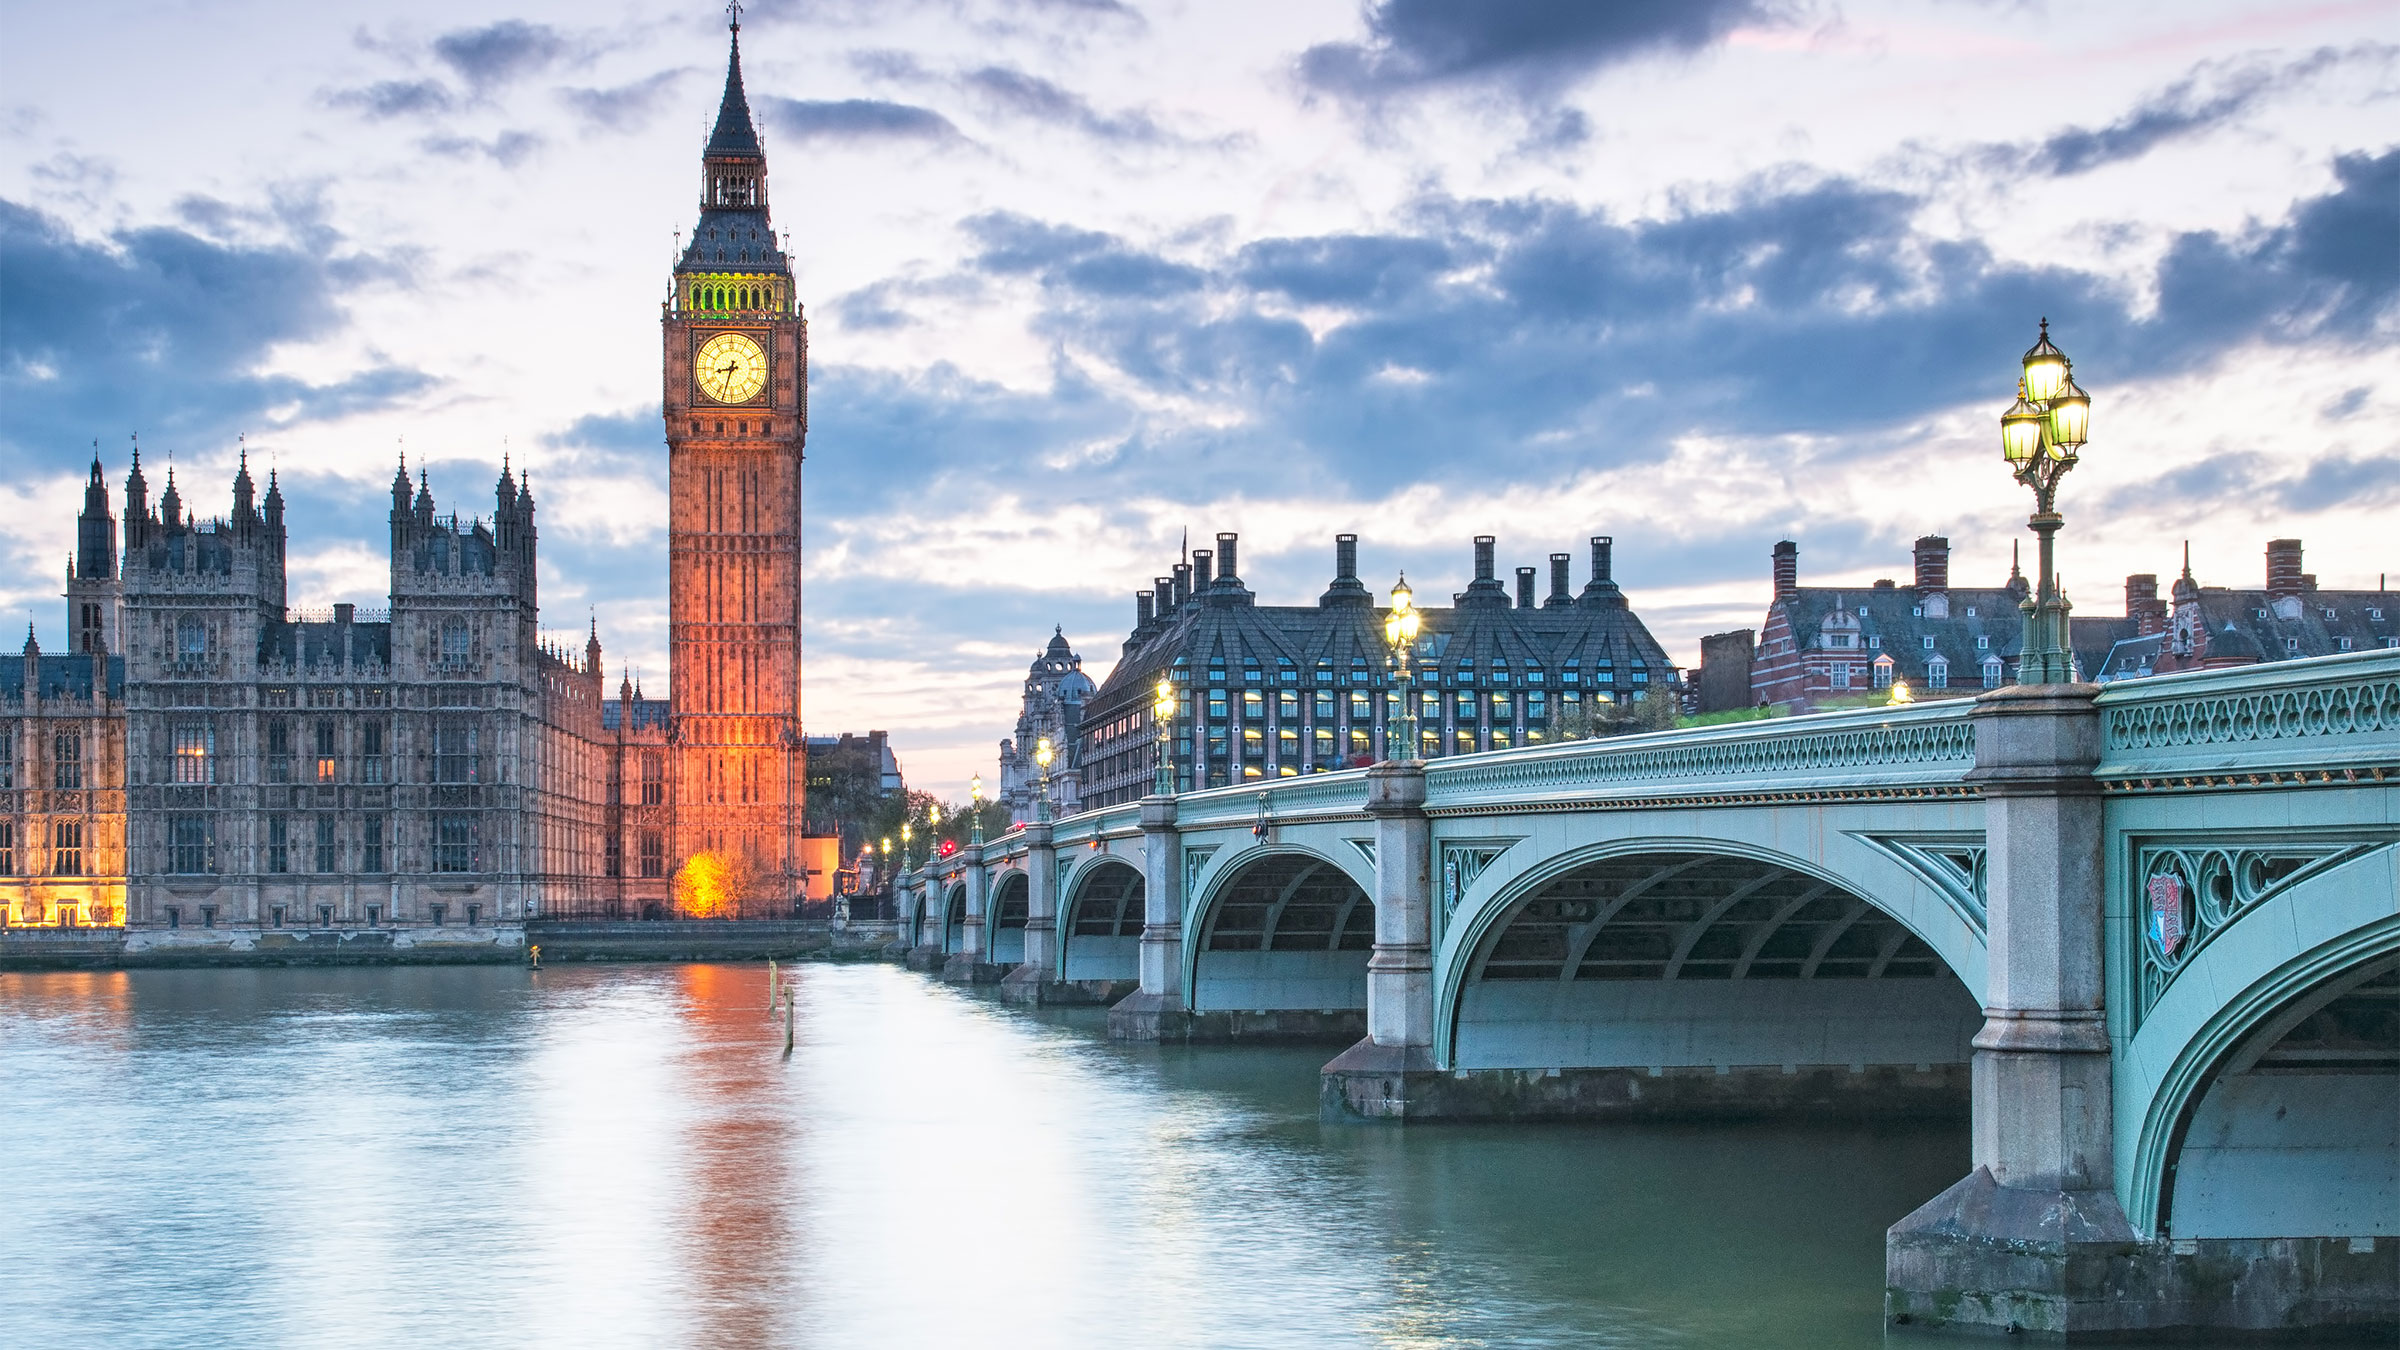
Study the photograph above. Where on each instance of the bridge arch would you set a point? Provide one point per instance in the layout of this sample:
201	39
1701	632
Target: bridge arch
1100	924
1004	919
2253	1095
1639	956
954	919
1281	929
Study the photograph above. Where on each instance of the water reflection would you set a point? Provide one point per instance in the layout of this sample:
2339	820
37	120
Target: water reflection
601	1156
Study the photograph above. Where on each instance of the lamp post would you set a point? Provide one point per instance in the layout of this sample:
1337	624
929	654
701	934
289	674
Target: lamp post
1042	755
975	795
1162	716
2040	437
904	850
1400	626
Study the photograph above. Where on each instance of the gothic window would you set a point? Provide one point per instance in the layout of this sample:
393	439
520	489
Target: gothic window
188	844
279	845
8	755
279	751
454	843
8	847
325	851
654	854
66	848
370	850
195	753
454	642
66	761
370	749
191	639
454	746
325	760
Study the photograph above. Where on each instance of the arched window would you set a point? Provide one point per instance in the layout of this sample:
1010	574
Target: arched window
191	638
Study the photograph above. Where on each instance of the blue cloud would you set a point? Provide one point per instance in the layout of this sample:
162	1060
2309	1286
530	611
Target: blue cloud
856	119
500	52
1413	43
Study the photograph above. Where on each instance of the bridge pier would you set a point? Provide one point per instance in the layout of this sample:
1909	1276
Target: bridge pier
2034	1238
1156	1011
1390	1075
969	964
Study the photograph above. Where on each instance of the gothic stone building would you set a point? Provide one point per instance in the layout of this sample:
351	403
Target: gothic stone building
1052	709
1276	691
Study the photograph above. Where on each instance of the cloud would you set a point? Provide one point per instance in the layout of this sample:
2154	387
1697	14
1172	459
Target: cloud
498	53
395	98
508	149
626	107
1414	43
1034	97
856	119
2333	481
2208	98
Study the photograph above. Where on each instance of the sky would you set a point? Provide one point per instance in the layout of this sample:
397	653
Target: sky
1085	275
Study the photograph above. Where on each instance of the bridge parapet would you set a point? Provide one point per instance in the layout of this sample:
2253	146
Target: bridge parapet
2325	719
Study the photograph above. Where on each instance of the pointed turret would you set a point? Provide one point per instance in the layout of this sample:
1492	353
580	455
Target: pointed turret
424	504
734	233
95	529
274	507
170	503
734	134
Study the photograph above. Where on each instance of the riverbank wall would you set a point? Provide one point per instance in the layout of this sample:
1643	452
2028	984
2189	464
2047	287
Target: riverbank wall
495	944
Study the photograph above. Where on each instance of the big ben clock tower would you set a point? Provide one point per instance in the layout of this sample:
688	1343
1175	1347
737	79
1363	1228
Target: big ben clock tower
736	401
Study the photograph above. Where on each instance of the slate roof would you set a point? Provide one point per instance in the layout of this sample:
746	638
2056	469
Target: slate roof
647	713
1968	626
734	238
2240	626
734	135
67	675
305	645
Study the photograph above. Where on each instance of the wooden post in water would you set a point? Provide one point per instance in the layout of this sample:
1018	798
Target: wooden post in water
787	1021
770	984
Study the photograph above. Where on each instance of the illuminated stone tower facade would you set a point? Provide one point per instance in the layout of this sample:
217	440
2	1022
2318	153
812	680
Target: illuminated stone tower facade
736	403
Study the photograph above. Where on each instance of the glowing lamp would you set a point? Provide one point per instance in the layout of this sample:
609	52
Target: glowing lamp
1043	754
975	790
2045	368
1401	624
1162	704
2021	431
2069	420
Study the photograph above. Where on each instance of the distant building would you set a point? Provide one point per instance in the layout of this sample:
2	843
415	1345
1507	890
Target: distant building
1823	644
1274	691
1052	708
1724	680
850	779
2210	627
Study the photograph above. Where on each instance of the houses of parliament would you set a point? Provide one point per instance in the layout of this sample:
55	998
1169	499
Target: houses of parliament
206	758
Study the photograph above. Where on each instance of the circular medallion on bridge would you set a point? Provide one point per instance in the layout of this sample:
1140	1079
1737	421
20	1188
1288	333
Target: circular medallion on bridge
2170	914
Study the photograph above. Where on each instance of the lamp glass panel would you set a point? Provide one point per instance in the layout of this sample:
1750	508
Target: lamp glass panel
2020	433
2070	417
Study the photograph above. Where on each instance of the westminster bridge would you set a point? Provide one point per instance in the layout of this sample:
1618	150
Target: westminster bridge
2146	937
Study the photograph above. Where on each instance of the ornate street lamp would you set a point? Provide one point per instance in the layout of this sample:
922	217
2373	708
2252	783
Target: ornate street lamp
1042	755
975	795
2041	436
1162	716
904	833
1400	625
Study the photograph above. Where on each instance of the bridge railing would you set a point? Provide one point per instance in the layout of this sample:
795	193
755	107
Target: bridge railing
2326	718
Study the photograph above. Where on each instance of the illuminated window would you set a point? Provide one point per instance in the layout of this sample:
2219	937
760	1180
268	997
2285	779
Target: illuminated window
195	753
1287	705
324	751
1254	706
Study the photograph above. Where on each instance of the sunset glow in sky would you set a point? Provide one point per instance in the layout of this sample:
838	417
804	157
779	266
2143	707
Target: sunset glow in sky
1081	275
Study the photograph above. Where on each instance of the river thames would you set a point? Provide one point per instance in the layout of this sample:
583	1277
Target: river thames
625	1156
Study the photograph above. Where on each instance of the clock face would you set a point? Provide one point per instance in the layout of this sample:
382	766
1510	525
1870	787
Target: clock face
730	368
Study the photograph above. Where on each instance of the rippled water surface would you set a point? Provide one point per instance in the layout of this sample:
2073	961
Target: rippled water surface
625	1156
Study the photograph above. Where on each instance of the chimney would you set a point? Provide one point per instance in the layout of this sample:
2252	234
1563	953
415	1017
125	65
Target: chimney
345	613
1787	569
1345	557
1183	584
1933	565
1202	562
2283	568
1602	546
1483	557
1162	597
2142	606
1141	610
2308	582
1226	571
1525	587
1559	594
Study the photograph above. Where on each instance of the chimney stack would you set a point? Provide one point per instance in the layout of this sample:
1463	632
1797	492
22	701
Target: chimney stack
1787	569
1933	565
1345	557
1559	593
1141	609
2283	568
345	612
1226	571
1483	557
1202	561
1602	546
1183	584
1162	597
2142	606
1525	587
